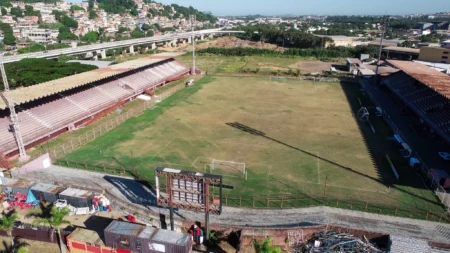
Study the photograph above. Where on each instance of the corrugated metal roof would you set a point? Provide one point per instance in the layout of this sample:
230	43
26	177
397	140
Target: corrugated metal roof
72	192
403	49
147	232
125	228
28	94
20	183
84	235
432	78
47	188
171	237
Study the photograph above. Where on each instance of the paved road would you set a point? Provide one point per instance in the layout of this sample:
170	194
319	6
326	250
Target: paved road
131	191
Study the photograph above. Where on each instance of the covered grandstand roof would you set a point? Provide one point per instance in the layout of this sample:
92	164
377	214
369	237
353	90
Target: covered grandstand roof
28	94
432	78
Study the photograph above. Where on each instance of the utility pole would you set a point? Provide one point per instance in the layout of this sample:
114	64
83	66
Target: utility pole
13	115
386	23
192	20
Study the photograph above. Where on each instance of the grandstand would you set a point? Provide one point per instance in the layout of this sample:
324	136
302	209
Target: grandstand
425	91
48	109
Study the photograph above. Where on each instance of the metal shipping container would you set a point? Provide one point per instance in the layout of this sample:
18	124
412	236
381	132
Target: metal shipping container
47	192
14	185
131	237
77	197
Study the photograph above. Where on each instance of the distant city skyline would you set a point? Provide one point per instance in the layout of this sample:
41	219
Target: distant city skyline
317	7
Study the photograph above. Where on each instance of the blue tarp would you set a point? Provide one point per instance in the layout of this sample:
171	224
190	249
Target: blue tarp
31	198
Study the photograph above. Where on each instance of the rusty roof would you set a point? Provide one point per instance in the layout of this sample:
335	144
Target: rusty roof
20	183
86	236
430	77
47	188
27	94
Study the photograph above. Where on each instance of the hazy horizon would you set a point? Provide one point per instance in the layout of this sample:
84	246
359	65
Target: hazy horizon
318	7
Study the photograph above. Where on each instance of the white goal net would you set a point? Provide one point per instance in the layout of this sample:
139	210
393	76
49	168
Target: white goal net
228	168
277	78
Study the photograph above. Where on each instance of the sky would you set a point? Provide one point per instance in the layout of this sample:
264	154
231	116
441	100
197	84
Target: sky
305	7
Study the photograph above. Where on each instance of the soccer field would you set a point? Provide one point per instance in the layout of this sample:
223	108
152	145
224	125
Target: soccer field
308	138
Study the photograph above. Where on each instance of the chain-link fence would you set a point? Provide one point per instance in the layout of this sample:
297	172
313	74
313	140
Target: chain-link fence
74	143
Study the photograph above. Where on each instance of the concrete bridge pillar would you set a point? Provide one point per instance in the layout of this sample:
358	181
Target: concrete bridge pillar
189	40
131	49
154	46
202	37
103	53
174	43
211	36
95	57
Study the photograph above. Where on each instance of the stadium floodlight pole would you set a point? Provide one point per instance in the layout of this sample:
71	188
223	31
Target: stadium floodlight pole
192	20
386	21
14	118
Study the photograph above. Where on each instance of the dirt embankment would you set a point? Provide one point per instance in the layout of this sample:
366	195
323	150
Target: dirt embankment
232	42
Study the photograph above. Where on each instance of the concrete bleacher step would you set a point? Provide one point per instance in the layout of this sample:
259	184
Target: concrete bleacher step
104	92
77	104
42	122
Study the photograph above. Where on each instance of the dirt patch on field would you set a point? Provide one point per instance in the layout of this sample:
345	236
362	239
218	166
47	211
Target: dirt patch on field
313	66
232	42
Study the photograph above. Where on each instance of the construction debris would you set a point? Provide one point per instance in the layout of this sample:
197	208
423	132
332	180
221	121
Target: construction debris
332	241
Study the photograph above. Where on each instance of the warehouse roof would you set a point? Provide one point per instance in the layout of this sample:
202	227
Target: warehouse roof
28	94
19	183
87	236
432	78
47	188
403	49
125	228
76	193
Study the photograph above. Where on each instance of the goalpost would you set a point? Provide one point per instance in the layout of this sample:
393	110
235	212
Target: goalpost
228	168
277	78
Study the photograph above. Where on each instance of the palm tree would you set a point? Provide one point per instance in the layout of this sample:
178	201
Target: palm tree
17	247
8	223
56	220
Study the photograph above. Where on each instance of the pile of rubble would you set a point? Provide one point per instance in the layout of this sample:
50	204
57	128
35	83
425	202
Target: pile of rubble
332	241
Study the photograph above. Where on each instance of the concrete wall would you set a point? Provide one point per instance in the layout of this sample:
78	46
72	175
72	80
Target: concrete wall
435	54
39	163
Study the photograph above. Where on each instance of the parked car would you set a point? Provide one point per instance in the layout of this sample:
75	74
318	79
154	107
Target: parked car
445	155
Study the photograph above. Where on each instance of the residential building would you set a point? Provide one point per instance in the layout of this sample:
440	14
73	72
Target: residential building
40	35
435	54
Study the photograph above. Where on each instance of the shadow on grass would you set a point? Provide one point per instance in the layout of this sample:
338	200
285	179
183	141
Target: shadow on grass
256	132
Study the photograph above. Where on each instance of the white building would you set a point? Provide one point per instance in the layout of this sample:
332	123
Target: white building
40	35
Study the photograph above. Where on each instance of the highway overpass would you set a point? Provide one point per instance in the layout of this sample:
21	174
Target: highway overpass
102	47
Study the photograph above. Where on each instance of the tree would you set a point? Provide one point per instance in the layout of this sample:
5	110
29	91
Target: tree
134	12
8	223
145	27
56	221
17	247
76	8
28	72
150	33
91	37
34	48
8	34
92	14
69	22
59	15
137	33
66	34
16	11
4	11
266	246
123	29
